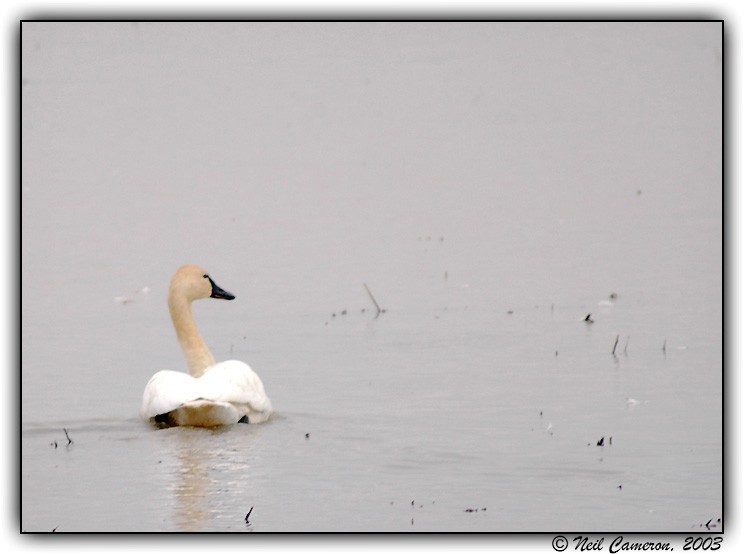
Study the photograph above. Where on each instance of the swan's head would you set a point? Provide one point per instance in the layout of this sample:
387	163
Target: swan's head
193	282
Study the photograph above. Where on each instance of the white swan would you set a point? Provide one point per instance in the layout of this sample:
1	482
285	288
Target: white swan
212	393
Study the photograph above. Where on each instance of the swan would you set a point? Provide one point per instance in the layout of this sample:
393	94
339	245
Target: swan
211	394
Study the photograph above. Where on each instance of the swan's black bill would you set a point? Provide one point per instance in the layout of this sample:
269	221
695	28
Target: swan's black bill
217	292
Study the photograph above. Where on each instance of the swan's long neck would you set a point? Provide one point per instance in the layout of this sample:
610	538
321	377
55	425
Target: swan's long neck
198	356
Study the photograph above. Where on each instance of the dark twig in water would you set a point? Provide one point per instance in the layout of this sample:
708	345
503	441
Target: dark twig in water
373	301
69	440
588	318
617	338
248	515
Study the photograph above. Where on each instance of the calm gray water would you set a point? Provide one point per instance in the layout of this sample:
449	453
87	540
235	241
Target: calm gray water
492	184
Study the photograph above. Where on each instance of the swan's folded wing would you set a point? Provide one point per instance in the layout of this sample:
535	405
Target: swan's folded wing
230	384
166	391
235	382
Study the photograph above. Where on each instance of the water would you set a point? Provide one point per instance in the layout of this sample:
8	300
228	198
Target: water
492	184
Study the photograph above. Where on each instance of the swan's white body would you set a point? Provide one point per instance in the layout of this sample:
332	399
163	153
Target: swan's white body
223	395
212	394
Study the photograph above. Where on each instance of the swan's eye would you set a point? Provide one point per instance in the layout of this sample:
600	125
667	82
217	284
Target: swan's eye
206	276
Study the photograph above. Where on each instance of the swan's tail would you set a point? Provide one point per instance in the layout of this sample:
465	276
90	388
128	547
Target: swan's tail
199	413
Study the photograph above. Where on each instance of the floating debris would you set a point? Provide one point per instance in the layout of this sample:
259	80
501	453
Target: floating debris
588	318
307	435
129	299
69	440
600	442
379	310
631	402
248	515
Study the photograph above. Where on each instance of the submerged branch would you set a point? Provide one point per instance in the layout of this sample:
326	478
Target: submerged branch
377	306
